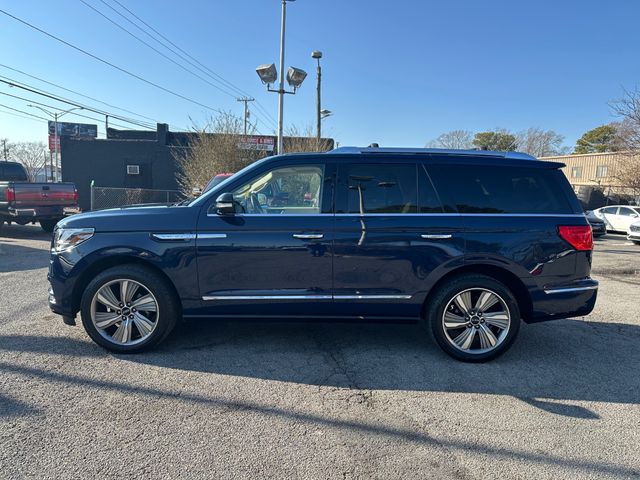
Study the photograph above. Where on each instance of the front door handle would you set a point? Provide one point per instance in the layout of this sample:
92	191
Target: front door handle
308	236
437	236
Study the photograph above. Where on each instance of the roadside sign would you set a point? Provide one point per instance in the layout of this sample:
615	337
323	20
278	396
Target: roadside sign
66	129
257	142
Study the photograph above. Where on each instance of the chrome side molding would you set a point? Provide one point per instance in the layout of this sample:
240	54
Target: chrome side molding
551	291
173	237
207	298
435	236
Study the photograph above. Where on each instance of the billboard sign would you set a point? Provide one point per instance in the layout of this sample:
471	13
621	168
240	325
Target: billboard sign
257	142
66	129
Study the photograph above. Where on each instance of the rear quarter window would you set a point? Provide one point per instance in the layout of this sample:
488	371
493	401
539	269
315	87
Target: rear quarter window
500	189
12	172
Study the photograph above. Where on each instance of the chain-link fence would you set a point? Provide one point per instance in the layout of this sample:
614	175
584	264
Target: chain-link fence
112	197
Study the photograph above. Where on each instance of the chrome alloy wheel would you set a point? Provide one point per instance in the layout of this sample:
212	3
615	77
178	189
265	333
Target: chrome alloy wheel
476	320
124	312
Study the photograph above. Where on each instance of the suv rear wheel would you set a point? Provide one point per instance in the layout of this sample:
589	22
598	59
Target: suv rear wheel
128	309
473	318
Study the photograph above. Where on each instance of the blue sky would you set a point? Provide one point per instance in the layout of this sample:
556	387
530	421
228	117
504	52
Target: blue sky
396	73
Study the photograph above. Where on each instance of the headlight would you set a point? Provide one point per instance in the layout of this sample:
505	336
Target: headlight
67	238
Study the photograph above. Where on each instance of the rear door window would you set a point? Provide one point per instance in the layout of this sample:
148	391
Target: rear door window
378	188
491	189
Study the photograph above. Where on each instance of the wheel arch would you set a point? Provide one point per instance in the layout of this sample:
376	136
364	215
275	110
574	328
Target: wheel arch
504	276
117	261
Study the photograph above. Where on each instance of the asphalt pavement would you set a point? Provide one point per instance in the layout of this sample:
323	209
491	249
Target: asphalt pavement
314	400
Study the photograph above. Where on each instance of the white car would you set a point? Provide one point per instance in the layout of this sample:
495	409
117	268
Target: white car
633	233
618	218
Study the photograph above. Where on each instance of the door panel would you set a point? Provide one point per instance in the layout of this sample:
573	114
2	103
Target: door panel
384	251
383	264
263	263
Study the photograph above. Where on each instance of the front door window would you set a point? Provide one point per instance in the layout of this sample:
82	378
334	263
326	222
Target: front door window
289	190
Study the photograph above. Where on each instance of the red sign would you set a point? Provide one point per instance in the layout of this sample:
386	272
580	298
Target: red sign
52	143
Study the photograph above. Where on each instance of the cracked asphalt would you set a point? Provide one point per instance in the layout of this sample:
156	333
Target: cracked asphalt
298	400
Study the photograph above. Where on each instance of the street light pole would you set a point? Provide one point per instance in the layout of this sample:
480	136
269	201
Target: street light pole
55	116
281	84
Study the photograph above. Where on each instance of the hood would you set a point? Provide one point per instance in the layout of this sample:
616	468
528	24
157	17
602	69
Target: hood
146	218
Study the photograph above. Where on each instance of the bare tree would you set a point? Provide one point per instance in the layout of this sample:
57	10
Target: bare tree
628	138
628	109
541	143
304	140
213	149
31	155
455	139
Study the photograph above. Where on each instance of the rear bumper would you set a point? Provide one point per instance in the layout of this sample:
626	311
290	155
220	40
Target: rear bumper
598	229
36	213
572	299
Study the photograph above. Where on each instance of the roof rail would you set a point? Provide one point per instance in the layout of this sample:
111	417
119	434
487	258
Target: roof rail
439	151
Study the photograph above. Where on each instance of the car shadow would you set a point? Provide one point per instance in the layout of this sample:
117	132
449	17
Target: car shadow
551	366
24	232
15	257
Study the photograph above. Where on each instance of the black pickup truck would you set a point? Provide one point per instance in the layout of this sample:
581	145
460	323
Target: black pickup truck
25	202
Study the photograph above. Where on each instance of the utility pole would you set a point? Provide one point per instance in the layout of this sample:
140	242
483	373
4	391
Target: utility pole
245	100
318	55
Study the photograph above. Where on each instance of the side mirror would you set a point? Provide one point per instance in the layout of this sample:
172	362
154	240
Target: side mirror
225	204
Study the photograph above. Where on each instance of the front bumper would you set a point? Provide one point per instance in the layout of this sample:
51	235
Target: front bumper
633	236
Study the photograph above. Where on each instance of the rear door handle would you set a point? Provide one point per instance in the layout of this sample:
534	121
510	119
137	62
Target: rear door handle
308	236
438	236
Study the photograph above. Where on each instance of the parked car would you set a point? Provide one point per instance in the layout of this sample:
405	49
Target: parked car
219	178
633	233
25	202
598	226
467	243
618	218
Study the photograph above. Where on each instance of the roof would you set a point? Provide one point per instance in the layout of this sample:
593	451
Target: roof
433	151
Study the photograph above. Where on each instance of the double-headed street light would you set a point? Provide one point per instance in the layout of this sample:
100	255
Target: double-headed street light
269	74
55	116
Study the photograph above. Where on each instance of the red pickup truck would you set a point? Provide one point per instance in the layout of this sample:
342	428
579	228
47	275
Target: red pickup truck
24	202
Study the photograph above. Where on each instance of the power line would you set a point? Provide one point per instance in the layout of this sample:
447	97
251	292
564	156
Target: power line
56	108
21	116
202	67
23	112
155	49
76	93
24	86
95	57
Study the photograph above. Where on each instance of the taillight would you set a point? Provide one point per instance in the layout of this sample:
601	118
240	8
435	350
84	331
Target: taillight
11	194
75	195
579	236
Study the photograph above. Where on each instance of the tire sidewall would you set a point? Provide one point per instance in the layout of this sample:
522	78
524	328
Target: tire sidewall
152	282
446	293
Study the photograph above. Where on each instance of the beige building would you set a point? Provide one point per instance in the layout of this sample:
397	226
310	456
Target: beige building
593	170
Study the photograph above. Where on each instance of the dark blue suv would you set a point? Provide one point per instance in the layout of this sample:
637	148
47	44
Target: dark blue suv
467	243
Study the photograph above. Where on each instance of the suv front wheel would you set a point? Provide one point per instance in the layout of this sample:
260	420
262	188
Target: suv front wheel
473	318
128	309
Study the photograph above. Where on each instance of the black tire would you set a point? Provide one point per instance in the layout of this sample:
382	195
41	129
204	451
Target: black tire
48	225
443	298
168	306
637	242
